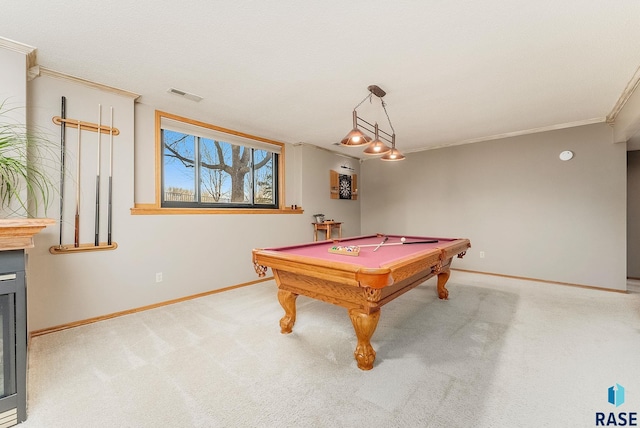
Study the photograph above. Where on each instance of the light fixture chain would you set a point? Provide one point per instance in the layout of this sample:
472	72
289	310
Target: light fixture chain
384	107
365	99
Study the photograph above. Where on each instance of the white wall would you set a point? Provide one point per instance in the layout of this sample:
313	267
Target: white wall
13	79
486	192
315	164
633	214
195	253
530	213
67	287
13	97
627	126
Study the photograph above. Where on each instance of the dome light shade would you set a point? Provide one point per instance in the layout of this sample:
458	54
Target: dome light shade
393	155
355	138
377	147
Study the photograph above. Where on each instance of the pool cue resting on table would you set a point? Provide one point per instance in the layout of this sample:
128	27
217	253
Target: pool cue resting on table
382	244
386	238
354	250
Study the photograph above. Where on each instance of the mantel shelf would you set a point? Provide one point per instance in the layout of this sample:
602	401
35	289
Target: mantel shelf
17	233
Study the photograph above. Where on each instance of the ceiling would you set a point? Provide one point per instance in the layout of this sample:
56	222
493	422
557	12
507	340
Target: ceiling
454	72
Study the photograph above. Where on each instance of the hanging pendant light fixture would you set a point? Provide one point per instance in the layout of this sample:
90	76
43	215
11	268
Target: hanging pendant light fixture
356	137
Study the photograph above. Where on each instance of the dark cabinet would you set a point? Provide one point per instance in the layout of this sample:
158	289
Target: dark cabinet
13	329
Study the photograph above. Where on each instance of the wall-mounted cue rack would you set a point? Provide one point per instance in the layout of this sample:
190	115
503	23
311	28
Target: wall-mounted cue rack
99	129
85	126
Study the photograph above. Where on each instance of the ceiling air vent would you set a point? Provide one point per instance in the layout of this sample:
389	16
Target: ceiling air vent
192	97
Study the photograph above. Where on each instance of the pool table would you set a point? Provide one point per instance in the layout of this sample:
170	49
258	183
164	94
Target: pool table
363	282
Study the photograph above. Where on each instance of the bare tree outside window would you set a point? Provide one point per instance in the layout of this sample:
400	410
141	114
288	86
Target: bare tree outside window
225	173
212	181
264	177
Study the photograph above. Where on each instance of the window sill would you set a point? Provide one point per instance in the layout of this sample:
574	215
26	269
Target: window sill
152	209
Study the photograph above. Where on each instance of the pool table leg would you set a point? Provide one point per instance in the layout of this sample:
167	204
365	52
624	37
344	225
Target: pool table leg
364	324
287	300
443	277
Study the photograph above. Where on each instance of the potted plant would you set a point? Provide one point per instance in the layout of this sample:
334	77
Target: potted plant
319	218
25	186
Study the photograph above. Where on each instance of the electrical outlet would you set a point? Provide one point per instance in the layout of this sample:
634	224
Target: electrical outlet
481	256
158	276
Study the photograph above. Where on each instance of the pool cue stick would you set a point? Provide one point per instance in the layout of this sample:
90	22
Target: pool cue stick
386	238
63	129
397	243
96	241
110	179
76	240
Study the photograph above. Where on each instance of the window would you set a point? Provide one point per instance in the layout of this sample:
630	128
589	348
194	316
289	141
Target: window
204	166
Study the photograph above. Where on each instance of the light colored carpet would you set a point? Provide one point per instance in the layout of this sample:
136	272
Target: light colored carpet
499	353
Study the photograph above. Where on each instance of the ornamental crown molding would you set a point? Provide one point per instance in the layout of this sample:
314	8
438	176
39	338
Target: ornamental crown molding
28	51
624	97
43	71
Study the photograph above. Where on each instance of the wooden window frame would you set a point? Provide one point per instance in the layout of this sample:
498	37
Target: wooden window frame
156	207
